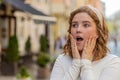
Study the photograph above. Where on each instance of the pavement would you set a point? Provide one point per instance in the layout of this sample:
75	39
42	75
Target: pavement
14	78
7	78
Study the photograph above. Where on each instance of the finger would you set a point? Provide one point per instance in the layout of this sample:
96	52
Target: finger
72	41
89	43
73	44
75	52
86	43
93	42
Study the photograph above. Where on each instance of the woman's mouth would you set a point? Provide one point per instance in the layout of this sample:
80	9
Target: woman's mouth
79	42
79	39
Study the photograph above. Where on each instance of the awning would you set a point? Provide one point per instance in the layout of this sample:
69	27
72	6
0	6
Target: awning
41	19
27	8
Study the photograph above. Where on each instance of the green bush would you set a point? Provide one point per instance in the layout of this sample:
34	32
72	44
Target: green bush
28	45
43	59
12	54
43	44
23	73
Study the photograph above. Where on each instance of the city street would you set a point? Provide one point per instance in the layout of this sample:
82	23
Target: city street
114	48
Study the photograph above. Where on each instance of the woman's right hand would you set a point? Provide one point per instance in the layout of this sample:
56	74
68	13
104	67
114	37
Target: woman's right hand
75	52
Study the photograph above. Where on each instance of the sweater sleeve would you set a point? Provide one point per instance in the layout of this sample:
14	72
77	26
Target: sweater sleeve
86	70
112	71
58	72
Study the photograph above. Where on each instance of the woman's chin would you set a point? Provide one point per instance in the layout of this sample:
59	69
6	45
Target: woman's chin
80	48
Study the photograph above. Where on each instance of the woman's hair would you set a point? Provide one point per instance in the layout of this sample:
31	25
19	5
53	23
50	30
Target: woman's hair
102	30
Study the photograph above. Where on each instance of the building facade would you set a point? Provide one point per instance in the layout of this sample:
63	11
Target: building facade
21	19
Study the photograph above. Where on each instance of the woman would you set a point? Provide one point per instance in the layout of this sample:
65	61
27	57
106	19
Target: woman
86	55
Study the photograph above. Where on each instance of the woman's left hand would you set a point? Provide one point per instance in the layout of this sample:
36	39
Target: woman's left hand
89	48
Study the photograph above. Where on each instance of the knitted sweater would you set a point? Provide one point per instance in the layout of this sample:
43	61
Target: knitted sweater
66	68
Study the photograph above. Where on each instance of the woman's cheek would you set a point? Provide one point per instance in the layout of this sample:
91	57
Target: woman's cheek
91	33
86	35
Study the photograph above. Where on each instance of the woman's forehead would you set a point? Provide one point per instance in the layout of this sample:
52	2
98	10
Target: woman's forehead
82	16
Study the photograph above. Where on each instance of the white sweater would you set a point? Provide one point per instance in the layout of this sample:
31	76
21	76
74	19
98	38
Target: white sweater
66	68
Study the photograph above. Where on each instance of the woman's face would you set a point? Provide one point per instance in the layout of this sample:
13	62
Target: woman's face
83	27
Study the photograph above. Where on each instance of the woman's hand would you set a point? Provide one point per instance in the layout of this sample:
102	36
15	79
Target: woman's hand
75	52
88	49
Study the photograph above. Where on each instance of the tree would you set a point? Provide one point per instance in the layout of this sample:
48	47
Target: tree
28	45
44	44
12	54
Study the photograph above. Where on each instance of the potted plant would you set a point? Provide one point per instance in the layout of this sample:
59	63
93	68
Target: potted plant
43	59
43	63
23	74
27	58
9	67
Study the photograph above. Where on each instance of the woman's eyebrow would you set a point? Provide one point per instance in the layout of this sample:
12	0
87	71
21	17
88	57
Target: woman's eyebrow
74	22
86	22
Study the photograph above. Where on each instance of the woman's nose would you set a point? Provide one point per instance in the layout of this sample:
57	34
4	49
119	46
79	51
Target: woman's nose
79	29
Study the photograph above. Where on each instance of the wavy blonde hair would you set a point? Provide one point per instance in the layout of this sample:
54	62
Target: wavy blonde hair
102	30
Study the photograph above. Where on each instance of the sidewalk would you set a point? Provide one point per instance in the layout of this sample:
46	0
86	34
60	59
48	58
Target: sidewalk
14	78
7	78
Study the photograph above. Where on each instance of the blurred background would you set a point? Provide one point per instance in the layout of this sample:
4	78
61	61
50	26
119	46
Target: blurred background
33	33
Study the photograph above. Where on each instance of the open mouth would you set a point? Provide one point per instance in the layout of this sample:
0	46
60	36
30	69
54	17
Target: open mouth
79	39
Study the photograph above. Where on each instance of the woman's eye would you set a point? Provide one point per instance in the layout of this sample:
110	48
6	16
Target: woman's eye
86	25
74	25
